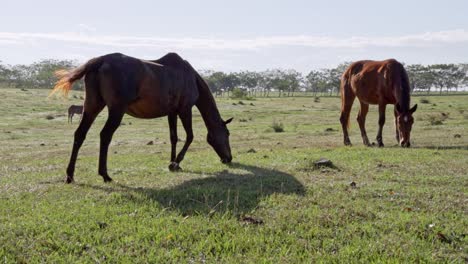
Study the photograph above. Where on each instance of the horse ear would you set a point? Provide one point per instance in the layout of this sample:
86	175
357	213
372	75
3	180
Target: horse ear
412	110
397	107
228	121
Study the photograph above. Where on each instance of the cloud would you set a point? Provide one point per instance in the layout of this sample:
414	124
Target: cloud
427	39
86	28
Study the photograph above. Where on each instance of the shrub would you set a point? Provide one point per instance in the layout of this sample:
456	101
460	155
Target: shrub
238	93
436	119
424	101
278	127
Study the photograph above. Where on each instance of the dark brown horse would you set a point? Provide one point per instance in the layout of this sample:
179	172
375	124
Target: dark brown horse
144	89
381	83
72	110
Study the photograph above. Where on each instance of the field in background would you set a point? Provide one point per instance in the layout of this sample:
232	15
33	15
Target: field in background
270	205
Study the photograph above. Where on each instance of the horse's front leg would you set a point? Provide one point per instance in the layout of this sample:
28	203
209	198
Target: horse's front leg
397	132
381	124
186	119
172	119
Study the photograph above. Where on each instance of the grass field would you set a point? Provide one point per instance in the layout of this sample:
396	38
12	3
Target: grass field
270	206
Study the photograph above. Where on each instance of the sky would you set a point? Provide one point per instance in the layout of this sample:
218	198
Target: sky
237	35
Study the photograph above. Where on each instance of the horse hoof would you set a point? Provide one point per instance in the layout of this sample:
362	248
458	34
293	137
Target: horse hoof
381	145
69	179
107	179
347	143
174	167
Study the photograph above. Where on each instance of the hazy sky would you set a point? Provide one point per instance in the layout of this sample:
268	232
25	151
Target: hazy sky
237	35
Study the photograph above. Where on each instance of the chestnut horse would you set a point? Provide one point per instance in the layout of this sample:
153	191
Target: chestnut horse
168	86
377	82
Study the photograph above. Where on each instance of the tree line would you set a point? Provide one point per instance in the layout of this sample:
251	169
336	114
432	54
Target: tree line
274	82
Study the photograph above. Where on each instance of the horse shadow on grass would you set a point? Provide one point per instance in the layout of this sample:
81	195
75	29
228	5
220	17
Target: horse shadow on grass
238	192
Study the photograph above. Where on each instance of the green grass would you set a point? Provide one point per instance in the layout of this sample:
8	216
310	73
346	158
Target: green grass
407	205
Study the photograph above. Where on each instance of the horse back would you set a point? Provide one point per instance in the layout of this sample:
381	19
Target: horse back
150	89
374	82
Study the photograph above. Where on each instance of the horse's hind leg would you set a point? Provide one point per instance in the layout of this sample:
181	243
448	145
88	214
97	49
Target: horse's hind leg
113	121
381	124
90	112
361	118
346	105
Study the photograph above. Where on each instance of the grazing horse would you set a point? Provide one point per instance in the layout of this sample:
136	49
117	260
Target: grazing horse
72	110
168	86
377	82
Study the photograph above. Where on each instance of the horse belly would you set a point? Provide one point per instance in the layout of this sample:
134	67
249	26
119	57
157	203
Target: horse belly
147	109
365	94
368	99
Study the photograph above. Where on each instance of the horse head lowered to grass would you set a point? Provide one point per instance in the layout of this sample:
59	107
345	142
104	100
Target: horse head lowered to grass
168	87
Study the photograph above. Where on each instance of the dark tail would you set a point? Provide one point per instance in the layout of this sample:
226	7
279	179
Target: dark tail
68	77
345	87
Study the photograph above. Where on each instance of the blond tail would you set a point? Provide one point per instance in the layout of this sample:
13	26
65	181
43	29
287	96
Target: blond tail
68	77
63	84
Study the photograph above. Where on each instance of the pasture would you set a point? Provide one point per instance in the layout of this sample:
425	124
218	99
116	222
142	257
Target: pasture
271	205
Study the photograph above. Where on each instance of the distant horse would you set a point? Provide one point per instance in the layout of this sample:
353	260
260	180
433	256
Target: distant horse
72	110
377	82
168	86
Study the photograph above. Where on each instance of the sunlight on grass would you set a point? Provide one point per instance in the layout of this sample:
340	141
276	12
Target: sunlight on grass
270	205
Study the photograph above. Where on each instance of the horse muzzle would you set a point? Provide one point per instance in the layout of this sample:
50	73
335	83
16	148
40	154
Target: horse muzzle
226	160
406	144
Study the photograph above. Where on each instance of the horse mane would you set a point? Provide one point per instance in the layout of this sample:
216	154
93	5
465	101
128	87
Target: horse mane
401	84
405	89
205	102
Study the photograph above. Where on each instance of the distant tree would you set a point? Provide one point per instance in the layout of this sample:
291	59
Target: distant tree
293	79
43	72
37	75
447	76
335	76
464	69
316	81
264	82
286	82
421	77
4	74
249	81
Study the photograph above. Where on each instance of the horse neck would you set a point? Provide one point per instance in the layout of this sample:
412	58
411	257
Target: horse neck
403	94
209	111
404	99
